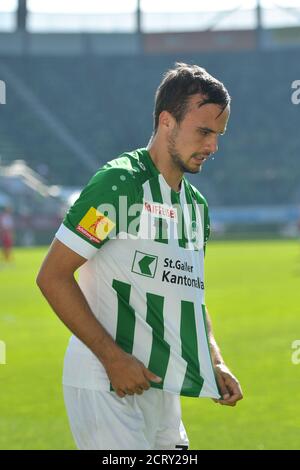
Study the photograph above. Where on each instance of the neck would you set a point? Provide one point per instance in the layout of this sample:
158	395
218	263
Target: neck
162	160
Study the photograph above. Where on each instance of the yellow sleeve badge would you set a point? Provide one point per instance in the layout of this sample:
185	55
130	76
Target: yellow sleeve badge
95	225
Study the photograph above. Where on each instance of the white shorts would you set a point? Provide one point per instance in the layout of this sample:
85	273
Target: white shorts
101	420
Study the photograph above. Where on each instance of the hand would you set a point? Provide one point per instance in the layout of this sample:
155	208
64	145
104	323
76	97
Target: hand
128	375
229	386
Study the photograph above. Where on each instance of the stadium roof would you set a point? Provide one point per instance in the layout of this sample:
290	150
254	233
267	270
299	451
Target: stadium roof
157	16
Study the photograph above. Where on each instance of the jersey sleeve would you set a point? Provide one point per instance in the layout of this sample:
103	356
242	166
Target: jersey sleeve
94	217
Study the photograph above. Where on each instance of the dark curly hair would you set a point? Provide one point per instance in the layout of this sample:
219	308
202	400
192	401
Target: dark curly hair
180	83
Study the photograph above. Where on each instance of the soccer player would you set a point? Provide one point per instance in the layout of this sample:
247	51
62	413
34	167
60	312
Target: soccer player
7	232
141	332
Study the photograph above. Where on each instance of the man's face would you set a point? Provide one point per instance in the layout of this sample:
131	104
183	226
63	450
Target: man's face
195	138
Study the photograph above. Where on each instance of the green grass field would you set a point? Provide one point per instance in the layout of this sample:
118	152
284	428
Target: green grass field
252	293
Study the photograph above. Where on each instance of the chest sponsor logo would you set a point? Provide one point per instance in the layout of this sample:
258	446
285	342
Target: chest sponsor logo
161	210
181	273
95	225
144	264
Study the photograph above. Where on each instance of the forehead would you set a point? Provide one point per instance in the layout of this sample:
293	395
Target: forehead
207	115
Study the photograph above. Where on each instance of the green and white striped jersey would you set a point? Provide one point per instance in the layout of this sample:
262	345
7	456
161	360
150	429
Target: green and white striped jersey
144	276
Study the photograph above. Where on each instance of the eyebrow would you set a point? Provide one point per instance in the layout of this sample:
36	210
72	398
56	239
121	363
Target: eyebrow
207	129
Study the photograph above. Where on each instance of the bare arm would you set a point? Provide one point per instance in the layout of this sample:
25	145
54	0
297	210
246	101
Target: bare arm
228	384
58	285
214	348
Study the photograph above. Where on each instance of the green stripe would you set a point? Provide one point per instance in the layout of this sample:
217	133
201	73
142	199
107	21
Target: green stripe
182	240
192	211
126	317
155	189
161	230
161	225
193	382
160	351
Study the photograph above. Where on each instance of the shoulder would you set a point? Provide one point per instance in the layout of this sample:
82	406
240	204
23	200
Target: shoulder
197	195
202	200
121	174
115	177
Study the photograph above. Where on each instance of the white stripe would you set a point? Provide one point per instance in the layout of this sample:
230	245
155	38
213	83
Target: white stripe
75	242
142	344
147	227
200	224
147	191
177	366
166	197
165	190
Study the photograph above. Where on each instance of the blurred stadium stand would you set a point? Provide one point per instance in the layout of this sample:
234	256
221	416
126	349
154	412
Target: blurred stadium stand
106	104
75	101
37	207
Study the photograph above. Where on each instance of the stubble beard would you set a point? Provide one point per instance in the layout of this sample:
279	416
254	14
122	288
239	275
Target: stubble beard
177	157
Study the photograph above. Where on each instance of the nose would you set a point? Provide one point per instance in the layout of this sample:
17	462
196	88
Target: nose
212	145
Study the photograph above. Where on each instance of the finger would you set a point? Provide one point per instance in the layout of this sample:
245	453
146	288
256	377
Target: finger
145	385
152	377
235	390
232	400
225	396
120	393
232	383
224	392
225	403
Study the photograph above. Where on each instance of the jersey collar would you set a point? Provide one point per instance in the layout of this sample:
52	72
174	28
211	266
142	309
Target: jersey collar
147	160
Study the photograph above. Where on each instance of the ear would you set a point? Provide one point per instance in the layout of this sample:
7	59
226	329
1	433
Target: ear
166	120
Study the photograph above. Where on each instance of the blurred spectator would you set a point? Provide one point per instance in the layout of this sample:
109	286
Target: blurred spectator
7	232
